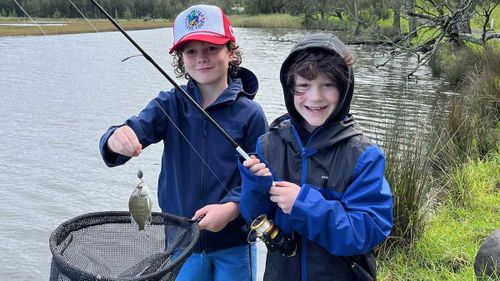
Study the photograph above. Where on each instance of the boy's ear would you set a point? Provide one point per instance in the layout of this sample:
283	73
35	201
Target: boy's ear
231	54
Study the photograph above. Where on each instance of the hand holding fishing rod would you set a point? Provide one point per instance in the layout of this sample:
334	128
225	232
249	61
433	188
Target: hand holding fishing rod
282	193
193	102
206	54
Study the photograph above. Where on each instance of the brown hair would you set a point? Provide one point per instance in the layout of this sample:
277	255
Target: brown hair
309	63
180	71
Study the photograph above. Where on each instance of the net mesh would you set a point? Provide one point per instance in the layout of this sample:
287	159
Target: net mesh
106	246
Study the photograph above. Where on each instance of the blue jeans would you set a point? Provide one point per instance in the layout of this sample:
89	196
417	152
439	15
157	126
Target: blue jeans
223	265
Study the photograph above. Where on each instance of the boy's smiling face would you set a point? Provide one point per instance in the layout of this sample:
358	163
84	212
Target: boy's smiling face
315	100
207	63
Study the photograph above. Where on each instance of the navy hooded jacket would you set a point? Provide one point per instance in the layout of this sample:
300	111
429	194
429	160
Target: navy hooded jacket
185	183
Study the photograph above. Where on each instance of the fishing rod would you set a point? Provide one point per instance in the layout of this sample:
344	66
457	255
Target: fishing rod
191	100
95	29
26	13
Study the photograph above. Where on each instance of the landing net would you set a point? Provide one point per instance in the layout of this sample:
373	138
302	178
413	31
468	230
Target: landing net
106	246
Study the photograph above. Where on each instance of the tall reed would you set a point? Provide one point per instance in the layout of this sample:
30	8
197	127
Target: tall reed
421	168
408	172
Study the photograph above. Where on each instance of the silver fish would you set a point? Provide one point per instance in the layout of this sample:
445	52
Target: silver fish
140	204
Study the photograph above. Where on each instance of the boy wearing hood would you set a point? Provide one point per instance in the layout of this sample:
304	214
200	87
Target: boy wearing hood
207	55
317	177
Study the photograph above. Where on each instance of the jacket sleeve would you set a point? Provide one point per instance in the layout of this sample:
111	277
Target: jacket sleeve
356	223
111	158
254	199
149	126
257	126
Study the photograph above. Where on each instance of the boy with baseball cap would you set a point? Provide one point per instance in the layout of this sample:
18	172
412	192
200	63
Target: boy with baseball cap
199	176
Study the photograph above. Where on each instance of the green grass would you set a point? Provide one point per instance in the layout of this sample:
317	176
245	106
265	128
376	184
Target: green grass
477	22
452	237
267	21
75	26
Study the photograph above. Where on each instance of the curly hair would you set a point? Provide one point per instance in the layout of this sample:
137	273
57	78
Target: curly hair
234	64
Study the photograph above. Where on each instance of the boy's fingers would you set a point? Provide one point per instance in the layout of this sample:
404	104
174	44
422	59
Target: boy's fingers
263	172
250	162
282	183
258	167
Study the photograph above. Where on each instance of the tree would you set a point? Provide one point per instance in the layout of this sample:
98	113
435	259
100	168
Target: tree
485	10
264	6
13	14
412	20
444	21
396	23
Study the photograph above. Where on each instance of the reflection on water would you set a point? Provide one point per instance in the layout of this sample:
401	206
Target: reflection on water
60	93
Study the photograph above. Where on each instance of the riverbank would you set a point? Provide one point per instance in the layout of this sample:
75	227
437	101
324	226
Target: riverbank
452	237
457	182
16	27
23	26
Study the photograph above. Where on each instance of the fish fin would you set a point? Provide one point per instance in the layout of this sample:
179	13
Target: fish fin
132	220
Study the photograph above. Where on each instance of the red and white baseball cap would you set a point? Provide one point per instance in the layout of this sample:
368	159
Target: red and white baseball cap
202	23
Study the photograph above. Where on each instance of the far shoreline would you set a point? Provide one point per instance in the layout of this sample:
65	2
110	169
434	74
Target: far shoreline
53	26
25	27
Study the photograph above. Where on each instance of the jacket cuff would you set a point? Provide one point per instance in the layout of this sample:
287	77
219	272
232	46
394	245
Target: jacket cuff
262	184
110	158
302	203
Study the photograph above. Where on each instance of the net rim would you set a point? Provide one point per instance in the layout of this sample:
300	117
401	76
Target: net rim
69	226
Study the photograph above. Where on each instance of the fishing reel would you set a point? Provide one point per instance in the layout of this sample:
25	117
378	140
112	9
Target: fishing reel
266	231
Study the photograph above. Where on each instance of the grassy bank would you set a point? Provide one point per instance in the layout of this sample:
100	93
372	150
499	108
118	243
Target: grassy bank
267	21
446	198
66	26
447	249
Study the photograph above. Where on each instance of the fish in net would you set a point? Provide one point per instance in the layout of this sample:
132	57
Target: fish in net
106	246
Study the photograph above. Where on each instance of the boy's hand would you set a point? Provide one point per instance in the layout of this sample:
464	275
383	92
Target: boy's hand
284	194
216	216
259	169
125	142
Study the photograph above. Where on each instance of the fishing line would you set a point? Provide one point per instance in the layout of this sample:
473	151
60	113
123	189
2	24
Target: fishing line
129	57
191	100
83	16
26	13
191	145
143	53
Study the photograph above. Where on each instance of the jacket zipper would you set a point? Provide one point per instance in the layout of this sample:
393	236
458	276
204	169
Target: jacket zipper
304	156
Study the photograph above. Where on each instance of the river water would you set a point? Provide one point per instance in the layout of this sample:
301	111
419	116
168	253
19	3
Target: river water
60	93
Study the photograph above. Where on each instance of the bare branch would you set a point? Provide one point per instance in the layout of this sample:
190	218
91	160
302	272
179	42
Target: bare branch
494	35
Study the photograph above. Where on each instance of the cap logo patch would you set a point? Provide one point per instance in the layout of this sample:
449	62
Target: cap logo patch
194	20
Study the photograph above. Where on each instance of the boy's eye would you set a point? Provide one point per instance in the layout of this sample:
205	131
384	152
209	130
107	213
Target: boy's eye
212	49
189	51
329	85
303	86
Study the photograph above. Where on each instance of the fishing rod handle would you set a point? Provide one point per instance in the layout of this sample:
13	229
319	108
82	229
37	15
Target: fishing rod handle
242	153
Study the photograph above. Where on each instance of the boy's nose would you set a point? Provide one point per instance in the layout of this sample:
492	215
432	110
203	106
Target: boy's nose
315	93
202	57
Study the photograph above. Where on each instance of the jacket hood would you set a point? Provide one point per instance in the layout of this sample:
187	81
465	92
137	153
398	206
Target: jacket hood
244	83
328	43
248	81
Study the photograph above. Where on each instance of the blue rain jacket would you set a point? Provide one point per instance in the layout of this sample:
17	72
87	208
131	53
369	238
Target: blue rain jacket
344	208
